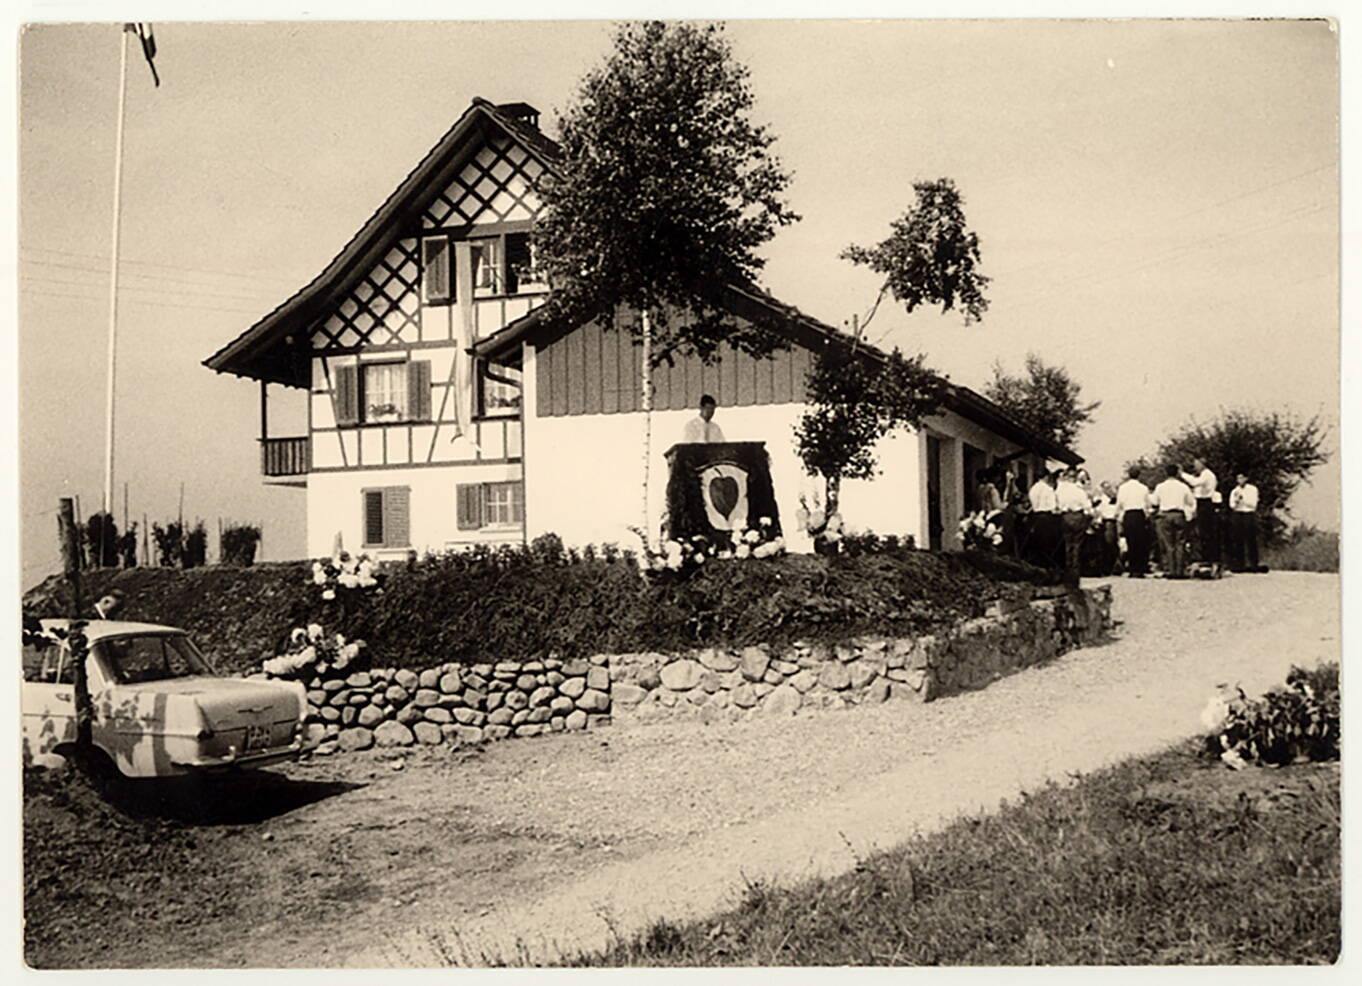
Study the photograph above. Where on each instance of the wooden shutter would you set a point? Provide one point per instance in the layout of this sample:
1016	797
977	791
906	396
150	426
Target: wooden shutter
436	280
373	517
469	504
418	390
347	395
397	516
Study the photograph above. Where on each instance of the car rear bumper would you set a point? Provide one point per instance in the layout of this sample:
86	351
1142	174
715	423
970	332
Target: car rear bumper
255	758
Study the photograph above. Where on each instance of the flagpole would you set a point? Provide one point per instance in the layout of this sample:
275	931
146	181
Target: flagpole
113	275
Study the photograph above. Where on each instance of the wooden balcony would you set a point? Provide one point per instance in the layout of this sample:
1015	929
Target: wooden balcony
284	457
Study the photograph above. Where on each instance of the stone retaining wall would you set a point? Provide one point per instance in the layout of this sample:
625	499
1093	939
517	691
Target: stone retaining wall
470	704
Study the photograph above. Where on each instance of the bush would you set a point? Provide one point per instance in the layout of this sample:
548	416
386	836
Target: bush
238	544
1305	549
195	551
1298	722
101	540
169	542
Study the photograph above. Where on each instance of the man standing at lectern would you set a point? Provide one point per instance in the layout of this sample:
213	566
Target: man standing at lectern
702	429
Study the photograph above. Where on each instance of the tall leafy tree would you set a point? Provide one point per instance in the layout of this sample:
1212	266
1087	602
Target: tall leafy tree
1046	398
930	256
856	398
665	191
1275	450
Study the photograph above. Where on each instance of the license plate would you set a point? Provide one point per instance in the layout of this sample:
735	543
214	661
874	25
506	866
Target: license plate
257	737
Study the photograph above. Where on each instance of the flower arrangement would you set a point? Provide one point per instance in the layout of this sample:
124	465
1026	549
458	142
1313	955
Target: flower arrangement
312	651
1298	722
345	572
977	531
760	541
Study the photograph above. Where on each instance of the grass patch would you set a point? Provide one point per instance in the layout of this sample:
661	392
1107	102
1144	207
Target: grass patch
1169	859
1306	549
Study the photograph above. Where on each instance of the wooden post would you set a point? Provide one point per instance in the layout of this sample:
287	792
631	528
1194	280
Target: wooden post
146	542
70	556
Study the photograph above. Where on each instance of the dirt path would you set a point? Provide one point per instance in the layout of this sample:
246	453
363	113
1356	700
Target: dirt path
530	847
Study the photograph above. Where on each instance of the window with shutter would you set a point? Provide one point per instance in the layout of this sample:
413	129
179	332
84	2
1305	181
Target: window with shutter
373	518
437	284
347	395
468	503
503	504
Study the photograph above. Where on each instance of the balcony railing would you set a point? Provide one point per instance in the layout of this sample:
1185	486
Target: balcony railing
284	456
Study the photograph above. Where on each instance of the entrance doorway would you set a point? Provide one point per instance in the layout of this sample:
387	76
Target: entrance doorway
934	525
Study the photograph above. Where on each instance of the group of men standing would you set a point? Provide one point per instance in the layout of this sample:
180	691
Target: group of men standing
1064	510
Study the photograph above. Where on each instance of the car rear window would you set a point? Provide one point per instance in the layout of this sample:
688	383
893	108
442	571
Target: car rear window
46	664
151	657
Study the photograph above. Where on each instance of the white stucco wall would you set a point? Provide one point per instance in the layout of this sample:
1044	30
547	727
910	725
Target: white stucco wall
334	504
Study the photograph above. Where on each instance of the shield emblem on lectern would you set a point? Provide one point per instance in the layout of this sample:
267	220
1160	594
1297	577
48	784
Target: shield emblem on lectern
723	489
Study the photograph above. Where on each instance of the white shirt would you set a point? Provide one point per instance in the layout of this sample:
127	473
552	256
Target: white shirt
1132	495
700	431
1244	499
1042	496
1070	496
1107	509
1202	486
1173	494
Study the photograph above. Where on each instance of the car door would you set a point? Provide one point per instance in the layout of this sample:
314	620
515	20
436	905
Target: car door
48	699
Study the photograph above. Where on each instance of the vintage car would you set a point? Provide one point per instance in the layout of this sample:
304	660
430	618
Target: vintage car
159	707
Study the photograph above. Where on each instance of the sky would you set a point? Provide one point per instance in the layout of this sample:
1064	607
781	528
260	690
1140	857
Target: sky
1157	204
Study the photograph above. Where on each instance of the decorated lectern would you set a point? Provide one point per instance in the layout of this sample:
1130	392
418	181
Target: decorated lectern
716	488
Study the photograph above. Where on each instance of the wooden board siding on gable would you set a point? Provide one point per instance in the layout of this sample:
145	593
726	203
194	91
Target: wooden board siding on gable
596	371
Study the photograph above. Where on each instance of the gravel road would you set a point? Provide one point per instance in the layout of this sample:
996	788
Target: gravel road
531	848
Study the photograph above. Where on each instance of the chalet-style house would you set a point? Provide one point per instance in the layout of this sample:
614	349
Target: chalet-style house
443	411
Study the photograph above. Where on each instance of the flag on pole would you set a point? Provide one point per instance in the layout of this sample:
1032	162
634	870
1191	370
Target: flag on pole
144	35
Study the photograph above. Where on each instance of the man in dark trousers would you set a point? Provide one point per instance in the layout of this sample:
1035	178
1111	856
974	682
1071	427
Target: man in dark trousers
1243	525
1132	514
1203	483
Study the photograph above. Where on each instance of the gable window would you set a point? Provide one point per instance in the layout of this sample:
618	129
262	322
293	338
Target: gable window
522	273
383	392
490	505
486	257
386	517
498	391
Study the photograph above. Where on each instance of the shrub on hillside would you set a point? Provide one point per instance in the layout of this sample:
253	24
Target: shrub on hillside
1306	549
1298	722
238	544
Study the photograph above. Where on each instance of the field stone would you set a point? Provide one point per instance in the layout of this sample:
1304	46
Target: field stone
773	677
557	724
332	685
744	696
430	678
332	729
763	689
426	697
526	682
516	700
628	694
577	667
327	748
721	699
519	716
407	679
717	660
561	703
360	679
681	675
784	667
451	683
753	663
313	734
470	734
543	695
600	659
359	698
804	681
316	696
530	729
541	714
783	701
494	700
666	697
574	686
846	653
576	719
467	717
428	734
496	732
878	691
835	676
862	673
649	677
533	666
358	738
381	700
370	715
697	696
409	714
348	715
593	700
598	678
450	732
554	678
501	716
340	698
710	682
438	715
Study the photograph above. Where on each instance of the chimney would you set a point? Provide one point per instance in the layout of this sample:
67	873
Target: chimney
523	112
